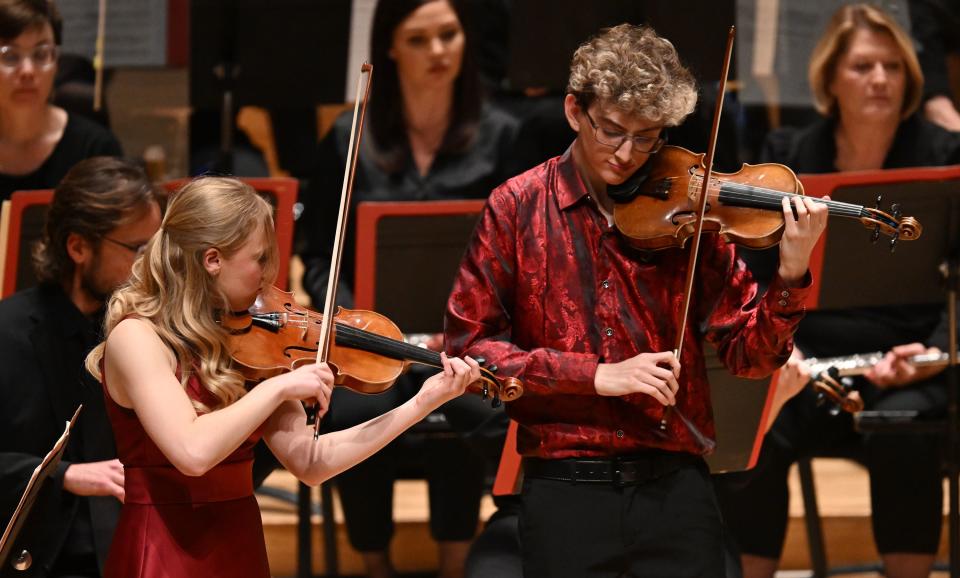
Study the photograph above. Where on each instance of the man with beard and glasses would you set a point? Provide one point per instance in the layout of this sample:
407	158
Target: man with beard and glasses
102	214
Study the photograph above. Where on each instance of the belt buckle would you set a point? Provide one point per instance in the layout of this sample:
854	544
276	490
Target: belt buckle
630	472
618	477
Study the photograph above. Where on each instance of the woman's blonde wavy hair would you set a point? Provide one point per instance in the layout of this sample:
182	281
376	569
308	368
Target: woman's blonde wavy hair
834	43
170	287
636	70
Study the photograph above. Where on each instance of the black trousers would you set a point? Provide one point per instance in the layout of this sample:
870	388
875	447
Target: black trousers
906	491
663	528
495	553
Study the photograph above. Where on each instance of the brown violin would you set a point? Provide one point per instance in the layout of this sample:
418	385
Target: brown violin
743	207
367	352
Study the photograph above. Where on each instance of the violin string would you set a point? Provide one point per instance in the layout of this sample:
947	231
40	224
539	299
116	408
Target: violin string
374	342
771	198
350	336
385	345
397	349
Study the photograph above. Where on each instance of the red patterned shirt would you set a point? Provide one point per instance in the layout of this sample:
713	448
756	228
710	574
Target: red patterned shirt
548	289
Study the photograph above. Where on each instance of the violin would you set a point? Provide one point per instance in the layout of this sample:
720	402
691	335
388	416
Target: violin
677	195
367	352
742	207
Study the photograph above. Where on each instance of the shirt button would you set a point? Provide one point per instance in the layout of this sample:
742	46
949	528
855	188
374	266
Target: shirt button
605	284
782	302
784	293
620	433
608	332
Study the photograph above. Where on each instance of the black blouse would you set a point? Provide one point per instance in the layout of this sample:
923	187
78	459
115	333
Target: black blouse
82	138
468	175
812	149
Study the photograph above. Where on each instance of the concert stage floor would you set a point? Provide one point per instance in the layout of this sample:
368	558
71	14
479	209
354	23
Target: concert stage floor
842	487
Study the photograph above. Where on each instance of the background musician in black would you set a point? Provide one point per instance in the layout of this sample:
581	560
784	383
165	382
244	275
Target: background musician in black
868	86
102	213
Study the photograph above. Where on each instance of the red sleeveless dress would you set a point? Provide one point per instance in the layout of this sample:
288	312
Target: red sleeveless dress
178	526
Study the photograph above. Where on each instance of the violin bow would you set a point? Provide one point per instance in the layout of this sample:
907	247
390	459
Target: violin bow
349	171
98	56
695	241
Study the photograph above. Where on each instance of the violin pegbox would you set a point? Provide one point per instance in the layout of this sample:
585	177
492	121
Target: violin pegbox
876	230
837	390
485	383
892	224
895	210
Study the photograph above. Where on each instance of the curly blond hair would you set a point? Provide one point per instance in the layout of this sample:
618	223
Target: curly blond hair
636	70
171	288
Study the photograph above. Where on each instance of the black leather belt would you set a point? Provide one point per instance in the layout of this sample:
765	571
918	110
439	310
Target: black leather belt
620	471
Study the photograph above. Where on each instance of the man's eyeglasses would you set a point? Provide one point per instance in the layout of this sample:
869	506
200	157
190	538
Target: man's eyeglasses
138	249
616	138
43	56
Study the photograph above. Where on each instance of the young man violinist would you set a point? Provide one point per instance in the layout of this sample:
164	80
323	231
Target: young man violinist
551	293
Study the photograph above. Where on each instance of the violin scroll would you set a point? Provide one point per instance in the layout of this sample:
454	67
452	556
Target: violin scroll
839	391
894	226
499	389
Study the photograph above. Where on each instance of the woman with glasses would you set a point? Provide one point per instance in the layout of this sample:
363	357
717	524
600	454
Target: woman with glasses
39	142
867	85
429	136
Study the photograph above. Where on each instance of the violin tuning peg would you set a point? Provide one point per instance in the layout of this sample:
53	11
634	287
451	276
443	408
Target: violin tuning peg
495	403
893	243
485	392
879	199
834	411
821	398
895	211
480	360
493	368
875	235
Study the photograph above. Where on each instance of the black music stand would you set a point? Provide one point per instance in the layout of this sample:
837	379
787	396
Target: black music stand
420	243
915	274
278	54
47	467
740	409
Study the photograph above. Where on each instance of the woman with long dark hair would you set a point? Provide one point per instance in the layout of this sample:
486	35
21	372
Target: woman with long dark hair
429	136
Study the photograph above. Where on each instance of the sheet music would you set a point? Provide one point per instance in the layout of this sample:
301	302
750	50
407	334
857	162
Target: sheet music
47	466
136	31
